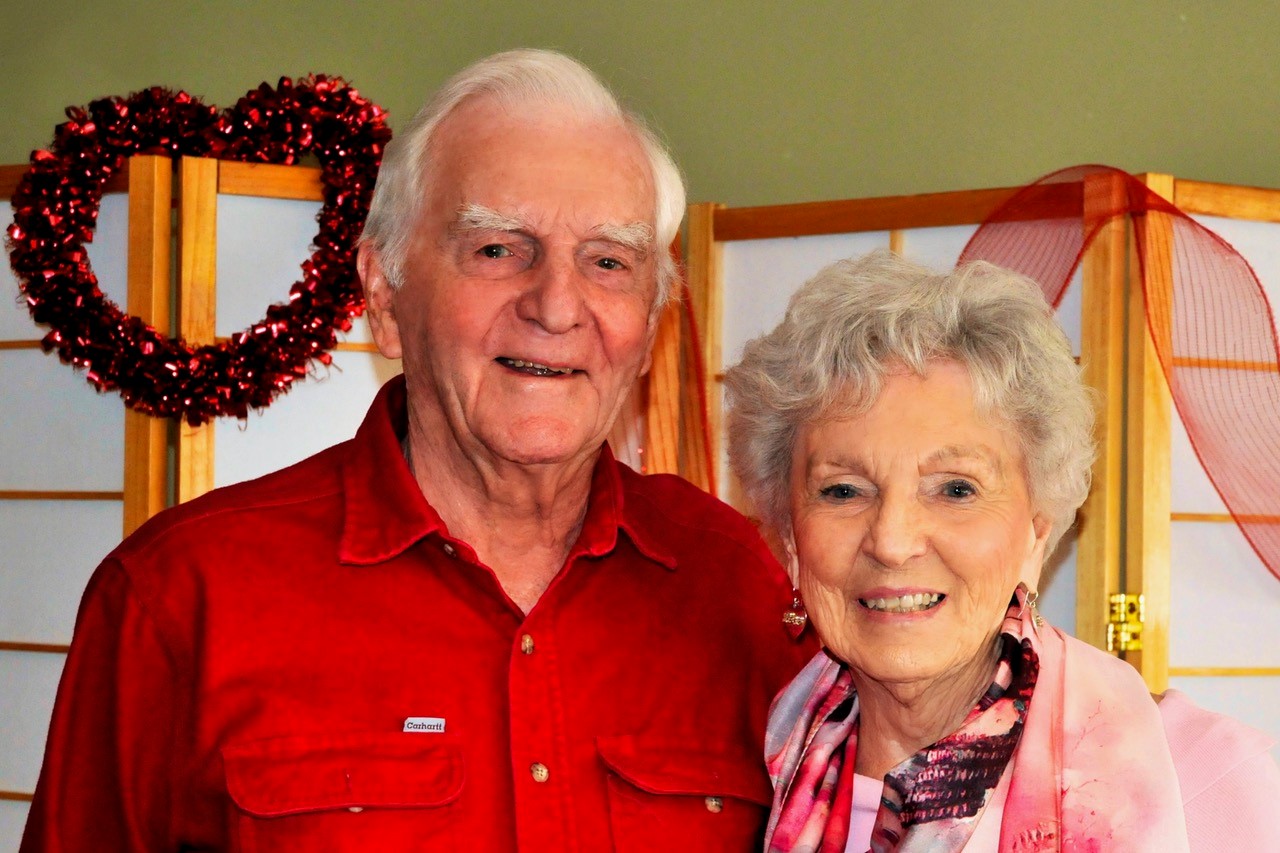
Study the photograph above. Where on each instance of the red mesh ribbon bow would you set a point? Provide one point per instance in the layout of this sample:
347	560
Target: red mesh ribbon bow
1207	313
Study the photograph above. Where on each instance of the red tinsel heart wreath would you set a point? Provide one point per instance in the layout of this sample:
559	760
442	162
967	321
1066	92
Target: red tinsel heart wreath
56	207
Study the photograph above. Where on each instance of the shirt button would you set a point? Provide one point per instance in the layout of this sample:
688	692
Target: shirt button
540	772
450	550
714	804
526	644
355	809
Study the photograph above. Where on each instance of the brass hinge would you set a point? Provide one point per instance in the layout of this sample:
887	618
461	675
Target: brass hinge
1124	623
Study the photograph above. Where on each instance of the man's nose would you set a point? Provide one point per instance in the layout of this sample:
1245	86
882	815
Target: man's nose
897	532
555	297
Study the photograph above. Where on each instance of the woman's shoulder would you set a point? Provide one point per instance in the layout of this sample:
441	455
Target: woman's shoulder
1230	783
1207	745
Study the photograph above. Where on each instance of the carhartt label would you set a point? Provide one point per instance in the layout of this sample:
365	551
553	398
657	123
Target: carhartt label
424	724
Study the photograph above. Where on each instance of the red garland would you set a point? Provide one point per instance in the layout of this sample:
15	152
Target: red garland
56	208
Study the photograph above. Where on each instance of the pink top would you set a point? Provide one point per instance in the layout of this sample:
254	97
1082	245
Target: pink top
1230	785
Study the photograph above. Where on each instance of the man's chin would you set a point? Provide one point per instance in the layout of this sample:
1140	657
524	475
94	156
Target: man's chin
544	444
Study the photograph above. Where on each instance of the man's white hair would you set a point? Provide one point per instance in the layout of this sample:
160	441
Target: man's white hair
514	78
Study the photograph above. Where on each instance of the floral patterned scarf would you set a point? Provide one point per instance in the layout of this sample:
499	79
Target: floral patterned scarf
1093	771
940	792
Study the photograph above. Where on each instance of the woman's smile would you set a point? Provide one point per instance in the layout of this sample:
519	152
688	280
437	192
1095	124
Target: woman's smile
902	603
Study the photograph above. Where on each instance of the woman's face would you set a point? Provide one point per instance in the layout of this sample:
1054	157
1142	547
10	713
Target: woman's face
912	525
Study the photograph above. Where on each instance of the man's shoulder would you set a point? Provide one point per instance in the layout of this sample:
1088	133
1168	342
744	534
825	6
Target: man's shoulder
312	481
699	529
682	506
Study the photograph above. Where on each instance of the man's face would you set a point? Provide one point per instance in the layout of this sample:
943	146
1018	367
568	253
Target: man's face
525	313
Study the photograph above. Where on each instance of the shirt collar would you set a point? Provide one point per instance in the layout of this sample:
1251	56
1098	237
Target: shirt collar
608	510
385	512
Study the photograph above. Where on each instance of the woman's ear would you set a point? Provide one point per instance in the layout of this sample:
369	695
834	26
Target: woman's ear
790	561
1041	527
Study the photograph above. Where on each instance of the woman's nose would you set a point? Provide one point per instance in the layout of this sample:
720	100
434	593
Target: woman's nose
897	532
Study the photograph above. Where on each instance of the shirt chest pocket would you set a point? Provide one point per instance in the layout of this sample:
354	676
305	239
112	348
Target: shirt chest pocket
667	796
362	791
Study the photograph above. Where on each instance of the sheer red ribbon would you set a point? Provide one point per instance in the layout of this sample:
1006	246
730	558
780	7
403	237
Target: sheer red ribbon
1207	314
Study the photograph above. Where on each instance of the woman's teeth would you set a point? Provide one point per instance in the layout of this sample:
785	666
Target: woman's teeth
902	604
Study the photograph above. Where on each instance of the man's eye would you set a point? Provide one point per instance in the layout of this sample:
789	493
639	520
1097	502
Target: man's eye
496	250
611	264
959	489
840	492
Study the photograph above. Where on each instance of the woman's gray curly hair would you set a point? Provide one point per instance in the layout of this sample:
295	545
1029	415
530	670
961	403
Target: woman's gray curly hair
857	319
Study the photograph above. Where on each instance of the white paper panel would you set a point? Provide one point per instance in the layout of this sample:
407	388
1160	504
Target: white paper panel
13	816
315	414
1190	489
1251	699
26	703
1058	587
15	322
57	431
109	251
1070	310
48	549
107	255
262	244
938	248
1224	602
1259	243
761	275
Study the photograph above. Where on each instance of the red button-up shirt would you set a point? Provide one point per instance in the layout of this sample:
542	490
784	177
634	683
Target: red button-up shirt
245	669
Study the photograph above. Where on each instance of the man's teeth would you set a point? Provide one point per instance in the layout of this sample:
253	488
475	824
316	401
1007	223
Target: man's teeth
902	604
535	368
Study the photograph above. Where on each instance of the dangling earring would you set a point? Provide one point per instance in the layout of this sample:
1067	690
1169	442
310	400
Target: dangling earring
1030	601
795	616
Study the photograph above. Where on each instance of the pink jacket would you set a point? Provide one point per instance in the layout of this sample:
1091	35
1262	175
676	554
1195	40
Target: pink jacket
1230	783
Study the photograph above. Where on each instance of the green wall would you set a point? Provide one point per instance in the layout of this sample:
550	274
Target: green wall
762	102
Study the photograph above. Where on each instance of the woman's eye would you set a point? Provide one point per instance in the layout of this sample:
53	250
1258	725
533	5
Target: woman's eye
840	492
959	489
495	250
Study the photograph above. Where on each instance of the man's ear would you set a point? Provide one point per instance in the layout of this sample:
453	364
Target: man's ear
651	338
657	320
379	301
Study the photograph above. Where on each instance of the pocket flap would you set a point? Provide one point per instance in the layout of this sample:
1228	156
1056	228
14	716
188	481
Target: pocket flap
661	766
290	775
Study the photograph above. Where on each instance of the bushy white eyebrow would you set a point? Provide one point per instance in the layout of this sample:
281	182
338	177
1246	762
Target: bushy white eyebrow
634	235
477	217
637	236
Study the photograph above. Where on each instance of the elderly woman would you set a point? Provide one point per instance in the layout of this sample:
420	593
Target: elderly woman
920	443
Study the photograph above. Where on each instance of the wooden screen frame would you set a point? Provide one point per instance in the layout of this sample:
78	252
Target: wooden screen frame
1149	515
147	179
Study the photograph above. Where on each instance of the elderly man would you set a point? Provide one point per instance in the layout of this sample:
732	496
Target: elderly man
468	628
